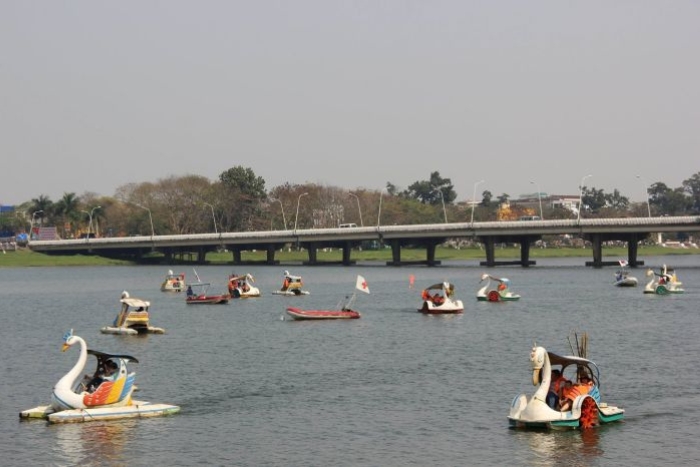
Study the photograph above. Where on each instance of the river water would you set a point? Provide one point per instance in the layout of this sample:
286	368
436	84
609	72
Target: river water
394	388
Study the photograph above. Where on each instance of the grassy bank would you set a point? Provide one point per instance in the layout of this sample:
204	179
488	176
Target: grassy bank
28	258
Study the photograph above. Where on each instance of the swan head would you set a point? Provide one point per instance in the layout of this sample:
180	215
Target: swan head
537	359
484	277
286	273
68	339
125	294
170	272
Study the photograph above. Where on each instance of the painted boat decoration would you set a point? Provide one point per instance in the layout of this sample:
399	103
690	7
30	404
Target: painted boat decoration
498	293
242	286
341	311
560	402
292	286
441	300
104	396
623	277
173	282
133	318
664	282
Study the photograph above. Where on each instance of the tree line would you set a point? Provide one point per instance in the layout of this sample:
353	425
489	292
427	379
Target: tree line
239	201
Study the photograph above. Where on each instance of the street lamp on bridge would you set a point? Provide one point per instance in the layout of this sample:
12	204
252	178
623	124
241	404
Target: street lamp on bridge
31	226
539	196
442	198
296	217
646	191
580	197
216	231
474	199
150	217
358	207
284	219
90	214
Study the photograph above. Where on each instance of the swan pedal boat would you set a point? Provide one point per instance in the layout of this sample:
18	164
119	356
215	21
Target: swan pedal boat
173	282
201	297
586	410
663	283
442	302
498	294
133	318
242	286
292	286
299	314
71	403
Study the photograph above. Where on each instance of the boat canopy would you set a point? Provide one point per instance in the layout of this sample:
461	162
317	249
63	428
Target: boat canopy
448	288
566	361
135	302
107	356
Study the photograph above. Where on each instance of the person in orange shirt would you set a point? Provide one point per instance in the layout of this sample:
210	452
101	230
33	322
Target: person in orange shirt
570	392
556	382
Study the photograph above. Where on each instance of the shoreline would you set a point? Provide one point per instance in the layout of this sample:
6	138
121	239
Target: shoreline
27	258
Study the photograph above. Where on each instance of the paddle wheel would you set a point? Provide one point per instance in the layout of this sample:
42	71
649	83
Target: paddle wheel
589	413
493	296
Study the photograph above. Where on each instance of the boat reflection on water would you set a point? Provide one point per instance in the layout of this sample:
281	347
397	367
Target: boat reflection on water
96	443
556	448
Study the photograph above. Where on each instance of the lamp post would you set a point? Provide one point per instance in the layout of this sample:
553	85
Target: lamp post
474	199
539	195
646	190
90	214
379	212
31	226
284	219
358	207
442	198
216	231
296	217
150	216
580	197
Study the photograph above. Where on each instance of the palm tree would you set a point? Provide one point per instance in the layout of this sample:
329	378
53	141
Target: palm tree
67	209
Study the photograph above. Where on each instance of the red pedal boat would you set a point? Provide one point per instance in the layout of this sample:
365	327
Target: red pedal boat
342	312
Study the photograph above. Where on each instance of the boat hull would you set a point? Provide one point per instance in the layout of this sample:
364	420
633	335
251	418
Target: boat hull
208	300
291	293
535	414
136	410
429	308
132	331
299	315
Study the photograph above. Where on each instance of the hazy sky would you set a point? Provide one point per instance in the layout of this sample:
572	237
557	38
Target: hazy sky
97	94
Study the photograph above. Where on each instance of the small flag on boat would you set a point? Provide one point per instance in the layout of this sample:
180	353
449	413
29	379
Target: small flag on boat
411	281
362	284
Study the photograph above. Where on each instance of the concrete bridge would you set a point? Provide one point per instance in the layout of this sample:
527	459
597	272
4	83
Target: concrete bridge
428	236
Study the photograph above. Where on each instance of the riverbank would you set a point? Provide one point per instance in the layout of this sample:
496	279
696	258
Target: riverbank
27	258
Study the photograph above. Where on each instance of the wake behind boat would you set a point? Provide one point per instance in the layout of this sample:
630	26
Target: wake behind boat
341	311
133	318
104	396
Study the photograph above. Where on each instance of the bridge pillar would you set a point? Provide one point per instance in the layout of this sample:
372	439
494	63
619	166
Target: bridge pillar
236	255
270	254
347	248
201	255
632	248
597	243
395	253
430	254
313	253
525	252
490	247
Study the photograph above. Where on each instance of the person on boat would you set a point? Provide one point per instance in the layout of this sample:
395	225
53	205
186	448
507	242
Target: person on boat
103	373
190	292
569	392
437	299
557	381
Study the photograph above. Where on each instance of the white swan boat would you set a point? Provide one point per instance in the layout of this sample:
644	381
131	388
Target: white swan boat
664	282
242	286
498	293
442	300
173	282
291	286
582	407
133	318
71	402
623	277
